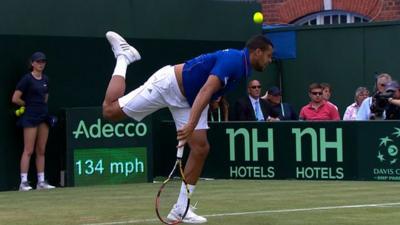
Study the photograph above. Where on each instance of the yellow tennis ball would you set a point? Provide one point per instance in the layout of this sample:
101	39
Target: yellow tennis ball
258	18
17	112
22	109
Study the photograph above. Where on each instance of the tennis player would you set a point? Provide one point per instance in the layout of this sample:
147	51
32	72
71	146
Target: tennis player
186	89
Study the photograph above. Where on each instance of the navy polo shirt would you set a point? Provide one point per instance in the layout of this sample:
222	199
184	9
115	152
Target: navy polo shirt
34	93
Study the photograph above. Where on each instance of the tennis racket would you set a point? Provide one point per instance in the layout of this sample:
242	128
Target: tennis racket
169	191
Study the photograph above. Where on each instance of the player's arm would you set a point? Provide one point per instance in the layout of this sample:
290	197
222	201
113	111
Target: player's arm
212	85
16	98
46	98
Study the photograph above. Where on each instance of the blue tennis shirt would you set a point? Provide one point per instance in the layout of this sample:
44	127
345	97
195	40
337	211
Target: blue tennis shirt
229	65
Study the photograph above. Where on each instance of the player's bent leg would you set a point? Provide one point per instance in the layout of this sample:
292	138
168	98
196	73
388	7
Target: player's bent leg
121	47
199	149
113	111
125	54
116	89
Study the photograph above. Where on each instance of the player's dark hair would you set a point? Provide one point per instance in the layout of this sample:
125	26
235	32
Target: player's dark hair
259	41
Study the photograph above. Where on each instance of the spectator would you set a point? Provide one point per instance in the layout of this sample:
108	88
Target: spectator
393	107
327	93
218	110
351	110
364	112
250	108
32	93
318	108
285	110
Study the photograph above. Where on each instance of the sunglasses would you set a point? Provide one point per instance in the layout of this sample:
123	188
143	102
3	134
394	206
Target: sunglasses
41	61
254	87
316	93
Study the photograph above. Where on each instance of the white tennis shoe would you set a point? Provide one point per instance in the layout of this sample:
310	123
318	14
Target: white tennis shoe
121	47
44	185
191	217
24	186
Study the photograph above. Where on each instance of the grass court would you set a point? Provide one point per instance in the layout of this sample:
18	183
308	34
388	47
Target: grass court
233	202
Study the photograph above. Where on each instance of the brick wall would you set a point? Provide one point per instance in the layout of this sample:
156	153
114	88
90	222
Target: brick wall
286	11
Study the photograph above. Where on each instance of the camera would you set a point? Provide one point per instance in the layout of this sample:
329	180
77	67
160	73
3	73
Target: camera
380	102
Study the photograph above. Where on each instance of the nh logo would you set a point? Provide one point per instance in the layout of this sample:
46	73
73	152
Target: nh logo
257	145
323	143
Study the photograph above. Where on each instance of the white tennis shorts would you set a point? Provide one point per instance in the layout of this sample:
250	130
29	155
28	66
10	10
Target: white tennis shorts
161	90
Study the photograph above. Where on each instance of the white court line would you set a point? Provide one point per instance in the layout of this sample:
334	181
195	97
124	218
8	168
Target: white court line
262	212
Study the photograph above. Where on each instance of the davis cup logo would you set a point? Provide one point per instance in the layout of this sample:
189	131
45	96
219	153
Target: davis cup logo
388	152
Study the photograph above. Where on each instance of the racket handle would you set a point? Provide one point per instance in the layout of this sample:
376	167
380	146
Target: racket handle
179	153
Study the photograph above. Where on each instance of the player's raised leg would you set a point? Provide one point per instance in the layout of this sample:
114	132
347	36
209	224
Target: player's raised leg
125	55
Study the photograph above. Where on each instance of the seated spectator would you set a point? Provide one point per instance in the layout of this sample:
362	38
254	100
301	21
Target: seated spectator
285	110
364	112
318	108
218	110
327	93
250	108
351	110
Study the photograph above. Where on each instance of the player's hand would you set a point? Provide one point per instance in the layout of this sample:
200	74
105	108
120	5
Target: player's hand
184	133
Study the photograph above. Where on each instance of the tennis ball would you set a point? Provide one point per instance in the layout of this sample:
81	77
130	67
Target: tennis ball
20	111
258	18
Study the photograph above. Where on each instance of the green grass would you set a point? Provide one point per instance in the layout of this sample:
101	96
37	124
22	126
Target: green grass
266	199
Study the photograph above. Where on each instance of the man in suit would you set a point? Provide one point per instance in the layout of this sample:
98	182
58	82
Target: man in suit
252	108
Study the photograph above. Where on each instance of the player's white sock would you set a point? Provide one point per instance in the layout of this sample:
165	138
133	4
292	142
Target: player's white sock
24	177
121	66
40	177
182	199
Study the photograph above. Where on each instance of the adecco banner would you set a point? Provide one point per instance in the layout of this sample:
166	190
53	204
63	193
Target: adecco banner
301	150
102	152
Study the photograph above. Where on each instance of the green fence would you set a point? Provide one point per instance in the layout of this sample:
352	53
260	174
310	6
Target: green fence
346	56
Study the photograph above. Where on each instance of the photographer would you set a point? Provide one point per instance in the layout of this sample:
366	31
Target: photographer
393	109
374	102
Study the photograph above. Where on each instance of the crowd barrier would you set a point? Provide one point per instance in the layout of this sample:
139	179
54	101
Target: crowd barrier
341	150
101	152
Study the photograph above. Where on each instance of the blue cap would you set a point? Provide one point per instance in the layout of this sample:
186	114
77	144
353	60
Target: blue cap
275	91
38	56
392	86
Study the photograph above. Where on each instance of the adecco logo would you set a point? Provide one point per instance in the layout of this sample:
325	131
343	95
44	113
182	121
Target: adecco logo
107	130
